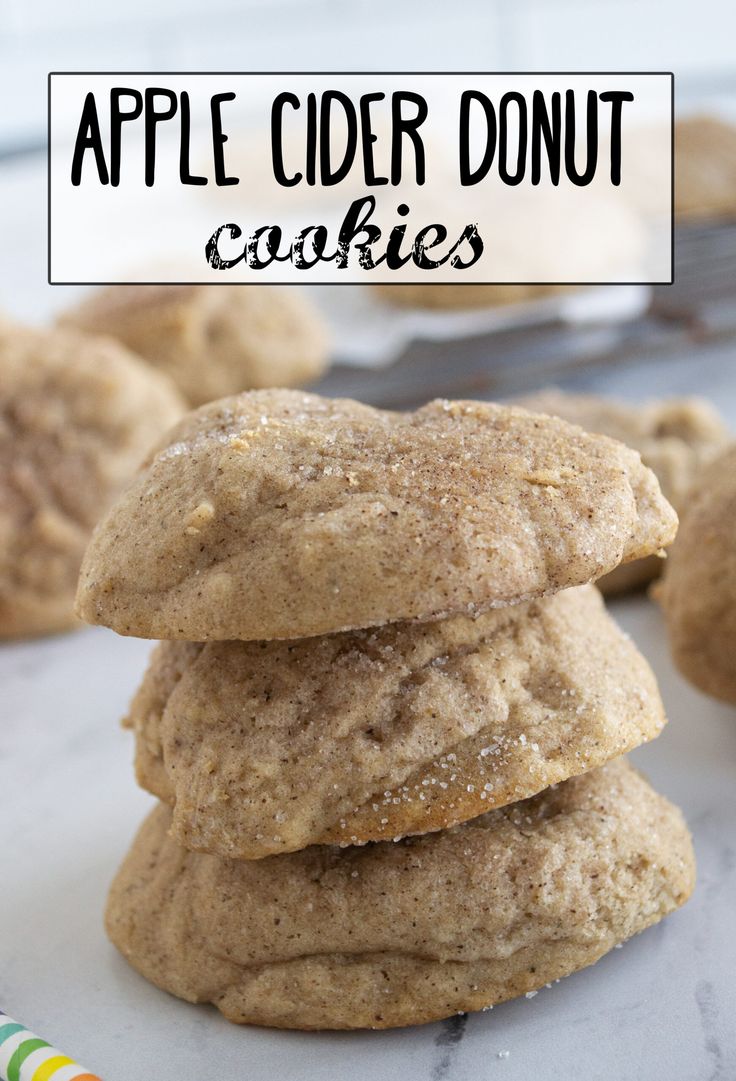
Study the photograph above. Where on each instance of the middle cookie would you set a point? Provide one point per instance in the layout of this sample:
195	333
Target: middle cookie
267	747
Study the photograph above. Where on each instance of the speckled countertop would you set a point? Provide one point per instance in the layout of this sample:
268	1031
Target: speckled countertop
662	1008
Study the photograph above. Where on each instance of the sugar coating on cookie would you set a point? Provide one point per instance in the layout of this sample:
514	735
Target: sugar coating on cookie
278	514
676	438
372	735
77	416
408	932
698	592
213	340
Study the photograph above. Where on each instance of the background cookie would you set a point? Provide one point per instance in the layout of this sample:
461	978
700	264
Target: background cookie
278	514
705	168
698	592
463	296
371	735
676	438
77	415
213	340
397	934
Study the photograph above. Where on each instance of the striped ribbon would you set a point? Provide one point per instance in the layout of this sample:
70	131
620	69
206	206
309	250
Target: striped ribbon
24	1057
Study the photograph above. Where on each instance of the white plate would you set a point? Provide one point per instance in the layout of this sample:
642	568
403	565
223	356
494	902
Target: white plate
663	1008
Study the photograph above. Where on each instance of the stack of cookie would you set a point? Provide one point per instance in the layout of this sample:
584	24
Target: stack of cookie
387	718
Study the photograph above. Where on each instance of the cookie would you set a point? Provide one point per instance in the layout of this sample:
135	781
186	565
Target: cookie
213	340
458	297
698	592
676	438
278	514
705	168
372	735
408	932
77	415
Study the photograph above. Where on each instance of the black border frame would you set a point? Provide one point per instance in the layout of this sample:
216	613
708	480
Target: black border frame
228	281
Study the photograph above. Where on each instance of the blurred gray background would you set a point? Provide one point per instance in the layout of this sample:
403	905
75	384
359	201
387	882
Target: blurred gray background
685	341
36	36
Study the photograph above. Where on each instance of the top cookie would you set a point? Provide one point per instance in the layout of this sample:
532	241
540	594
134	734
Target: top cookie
77	416
277	514
212	340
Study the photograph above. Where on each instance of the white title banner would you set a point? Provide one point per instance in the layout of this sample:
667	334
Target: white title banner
444	178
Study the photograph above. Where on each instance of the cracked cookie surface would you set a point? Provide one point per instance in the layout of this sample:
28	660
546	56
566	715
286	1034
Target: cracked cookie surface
408	932
371	735
278	514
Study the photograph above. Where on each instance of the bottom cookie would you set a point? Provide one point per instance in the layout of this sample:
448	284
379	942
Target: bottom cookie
404	933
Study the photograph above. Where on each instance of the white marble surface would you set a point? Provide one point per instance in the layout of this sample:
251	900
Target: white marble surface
663	1008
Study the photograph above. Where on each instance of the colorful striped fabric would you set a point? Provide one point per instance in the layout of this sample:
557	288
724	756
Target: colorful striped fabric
24	1057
